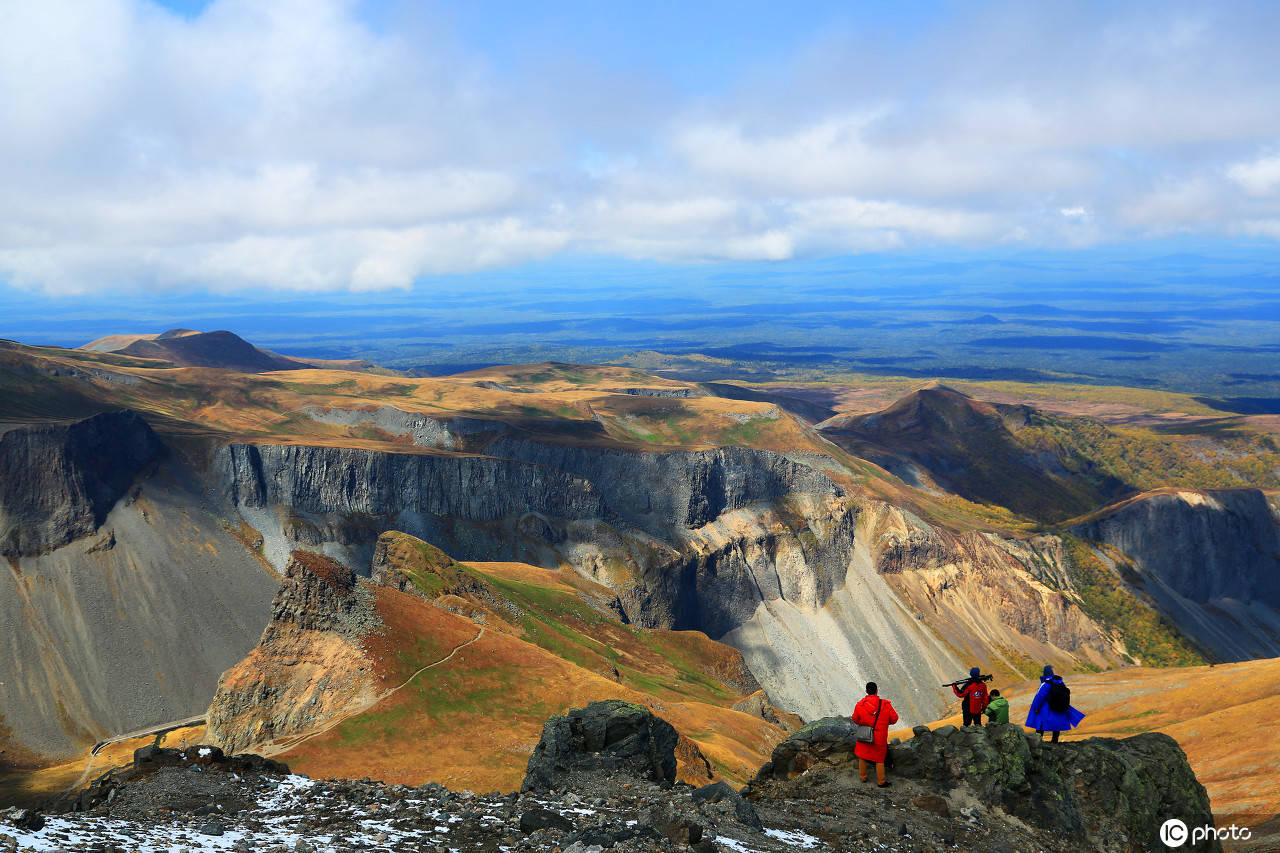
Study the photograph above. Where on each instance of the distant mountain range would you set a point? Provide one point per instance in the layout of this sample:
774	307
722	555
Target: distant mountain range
221	349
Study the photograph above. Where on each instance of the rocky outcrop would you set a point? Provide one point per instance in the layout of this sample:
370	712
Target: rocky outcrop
605	738
1104	794
148	760
58	482
1209	559
757	704
308	668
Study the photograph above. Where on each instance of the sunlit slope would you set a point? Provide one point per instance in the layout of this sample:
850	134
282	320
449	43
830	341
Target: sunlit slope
549	642
1219	715
571	403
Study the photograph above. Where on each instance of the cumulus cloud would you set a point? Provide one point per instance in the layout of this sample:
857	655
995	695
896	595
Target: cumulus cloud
300	144
1259	178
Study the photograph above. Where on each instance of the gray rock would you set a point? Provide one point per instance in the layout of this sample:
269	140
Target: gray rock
604	737
213	827
535	818
57	483
722	792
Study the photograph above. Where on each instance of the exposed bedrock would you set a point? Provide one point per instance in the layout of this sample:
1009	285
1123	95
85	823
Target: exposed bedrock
1209	559
819	589
676	489
349	480
309	667
58	482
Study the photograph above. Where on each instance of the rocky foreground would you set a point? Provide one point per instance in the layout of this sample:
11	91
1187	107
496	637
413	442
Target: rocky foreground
603	778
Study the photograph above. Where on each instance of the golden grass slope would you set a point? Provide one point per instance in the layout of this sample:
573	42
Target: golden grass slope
548	644
576	403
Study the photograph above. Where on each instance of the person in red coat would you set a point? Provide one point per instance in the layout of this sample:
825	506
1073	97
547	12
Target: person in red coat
974	698
879	714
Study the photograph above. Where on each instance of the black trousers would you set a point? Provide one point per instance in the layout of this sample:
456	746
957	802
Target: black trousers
972	718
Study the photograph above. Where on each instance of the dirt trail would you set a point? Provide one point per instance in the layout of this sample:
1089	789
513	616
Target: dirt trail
163	728
279	746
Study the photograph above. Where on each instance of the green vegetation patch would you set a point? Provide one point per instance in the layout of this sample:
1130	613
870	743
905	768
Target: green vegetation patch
1105	598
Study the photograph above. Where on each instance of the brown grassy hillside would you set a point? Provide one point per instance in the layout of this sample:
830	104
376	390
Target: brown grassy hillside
548	644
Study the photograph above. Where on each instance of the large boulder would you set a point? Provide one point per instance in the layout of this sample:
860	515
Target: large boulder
610	737
827	742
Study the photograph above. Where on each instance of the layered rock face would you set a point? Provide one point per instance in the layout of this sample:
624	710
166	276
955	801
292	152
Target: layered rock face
57	483
1102	793
1210	559
677	489
308	668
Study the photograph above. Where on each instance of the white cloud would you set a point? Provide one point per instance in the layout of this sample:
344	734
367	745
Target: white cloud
291	144
1259	178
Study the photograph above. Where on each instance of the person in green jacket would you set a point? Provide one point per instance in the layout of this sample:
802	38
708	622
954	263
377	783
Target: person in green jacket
998	708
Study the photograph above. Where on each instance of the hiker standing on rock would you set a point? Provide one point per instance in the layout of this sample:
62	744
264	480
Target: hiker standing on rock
873	716
1051	708
973	696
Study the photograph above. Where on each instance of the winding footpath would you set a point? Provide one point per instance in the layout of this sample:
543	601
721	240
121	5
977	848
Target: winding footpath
274	747
278	746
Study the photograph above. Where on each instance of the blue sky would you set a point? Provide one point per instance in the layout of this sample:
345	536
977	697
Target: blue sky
304	146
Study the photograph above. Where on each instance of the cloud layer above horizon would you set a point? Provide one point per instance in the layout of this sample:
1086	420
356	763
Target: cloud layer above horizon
327	145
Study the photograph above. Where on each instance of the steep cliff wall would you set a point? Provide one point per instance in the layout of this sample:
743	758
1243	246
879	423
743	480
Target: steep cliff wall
676	489
820	590
131	626
58	482
1209	559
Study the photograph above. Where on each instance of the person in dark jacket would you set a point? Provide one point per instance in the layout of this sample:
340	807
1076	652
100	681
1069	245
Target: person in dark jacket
878	713
973	696
1046	714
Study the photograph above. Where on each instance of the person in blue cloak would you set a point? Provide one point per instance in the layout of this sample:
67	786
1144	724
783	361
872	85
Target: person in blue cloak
1051	708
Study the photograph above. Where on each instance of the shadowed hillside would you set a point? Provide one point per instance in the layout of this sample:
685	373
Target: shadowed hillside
1009	456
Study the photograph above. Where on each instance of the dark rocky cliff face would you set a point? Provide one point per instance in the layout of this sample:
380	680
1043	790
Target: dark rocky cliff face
1210	560
347	480
57	483
550	503
1217	544
679	488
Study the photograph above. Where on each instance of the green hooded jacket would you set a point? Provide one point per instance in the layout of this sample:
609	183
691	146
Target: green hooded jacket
998	710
